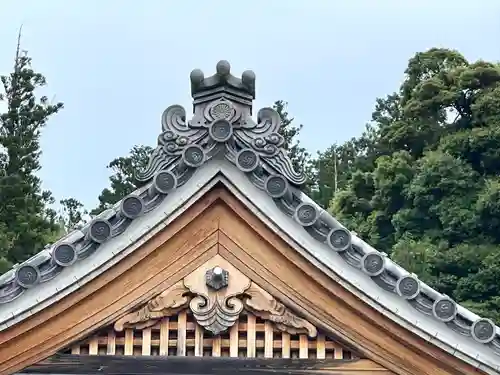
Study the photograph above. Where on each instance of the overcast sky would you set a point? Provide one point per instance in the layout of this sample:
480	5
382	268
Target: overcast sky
117	65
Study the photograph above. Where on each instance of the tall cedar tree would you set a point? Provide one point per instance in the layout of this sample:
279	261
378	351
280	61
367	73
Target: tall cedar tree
25	222
122	180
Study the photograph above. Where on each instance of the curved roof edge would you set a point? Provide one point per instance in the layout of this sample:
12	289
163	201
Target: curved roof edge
367	287
223	138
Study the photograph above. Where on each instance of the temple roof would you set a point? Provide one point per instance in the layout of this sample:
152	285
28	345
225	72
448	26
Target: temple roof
223	144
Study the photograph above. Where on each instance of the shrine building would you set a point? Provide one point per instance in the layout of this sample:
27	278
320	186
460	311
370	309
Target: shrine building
220	264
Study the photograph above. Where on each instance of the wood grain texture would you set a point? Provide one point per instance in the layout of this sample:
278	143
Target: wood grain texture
180	248
111	343
164	335
198	340
103	365
216	310
220	224
164	305
234	341
270	342
271	262
146	341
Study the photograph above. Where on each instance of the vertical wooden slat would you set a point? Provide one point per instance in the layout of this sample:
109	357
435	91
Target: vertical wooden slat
164	333
303	346
285	345
198	341
234	340
181	333
111	347
93	346
268	340
219	346
320	346
146	341
216	346
129	342
338	352
251	336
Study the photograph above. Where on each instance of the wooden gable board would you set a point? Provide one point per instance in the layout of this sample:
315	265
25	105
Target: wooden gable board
206	205
220	224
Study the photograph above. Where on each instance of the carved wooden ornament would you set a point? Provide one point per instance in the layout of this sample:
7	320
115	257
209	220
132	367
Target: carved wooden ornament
216	309
168	303
216	293
265	306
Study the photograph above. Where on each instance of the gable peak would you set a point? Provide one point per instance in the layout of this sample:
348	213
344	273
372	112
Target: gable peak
222	127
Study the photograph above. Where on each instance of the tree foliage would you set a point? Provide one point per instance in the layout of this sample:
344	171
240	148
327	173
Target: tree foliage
72	215
122	181
423	186
26	224
421	183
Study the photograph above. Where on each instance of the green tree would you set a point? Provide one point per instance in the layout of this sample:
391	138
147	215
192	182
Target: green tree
427	193
73	215
122	181
25	222
334	167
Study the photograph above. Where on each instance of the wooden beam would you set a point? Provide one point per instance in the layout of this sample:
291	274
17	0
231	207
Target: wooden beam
220	224
155	365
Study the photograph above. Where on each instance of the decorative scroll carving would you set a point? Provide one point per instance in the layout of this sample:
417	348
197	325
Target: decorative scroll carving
168	303
216	309
216	293
265	306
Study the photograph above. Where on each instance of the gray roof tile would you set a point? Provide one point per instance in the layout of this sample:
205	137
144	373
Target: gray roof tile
222	129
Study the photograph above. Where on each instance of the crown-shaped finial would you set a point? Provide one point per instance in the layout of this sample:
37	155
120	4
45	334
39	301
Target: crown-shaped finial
223	84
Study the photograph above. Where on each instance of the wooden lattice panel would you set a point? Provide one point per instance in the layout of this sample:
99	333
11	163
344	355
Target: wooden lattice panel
181	336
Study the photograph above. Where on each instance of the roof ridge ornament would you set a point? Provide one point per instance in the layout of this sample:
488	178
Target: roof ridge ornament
221	125
223	84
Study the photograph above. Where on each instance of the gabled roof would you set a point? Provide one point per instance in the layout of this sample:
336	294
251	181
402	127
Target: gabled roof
223	144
